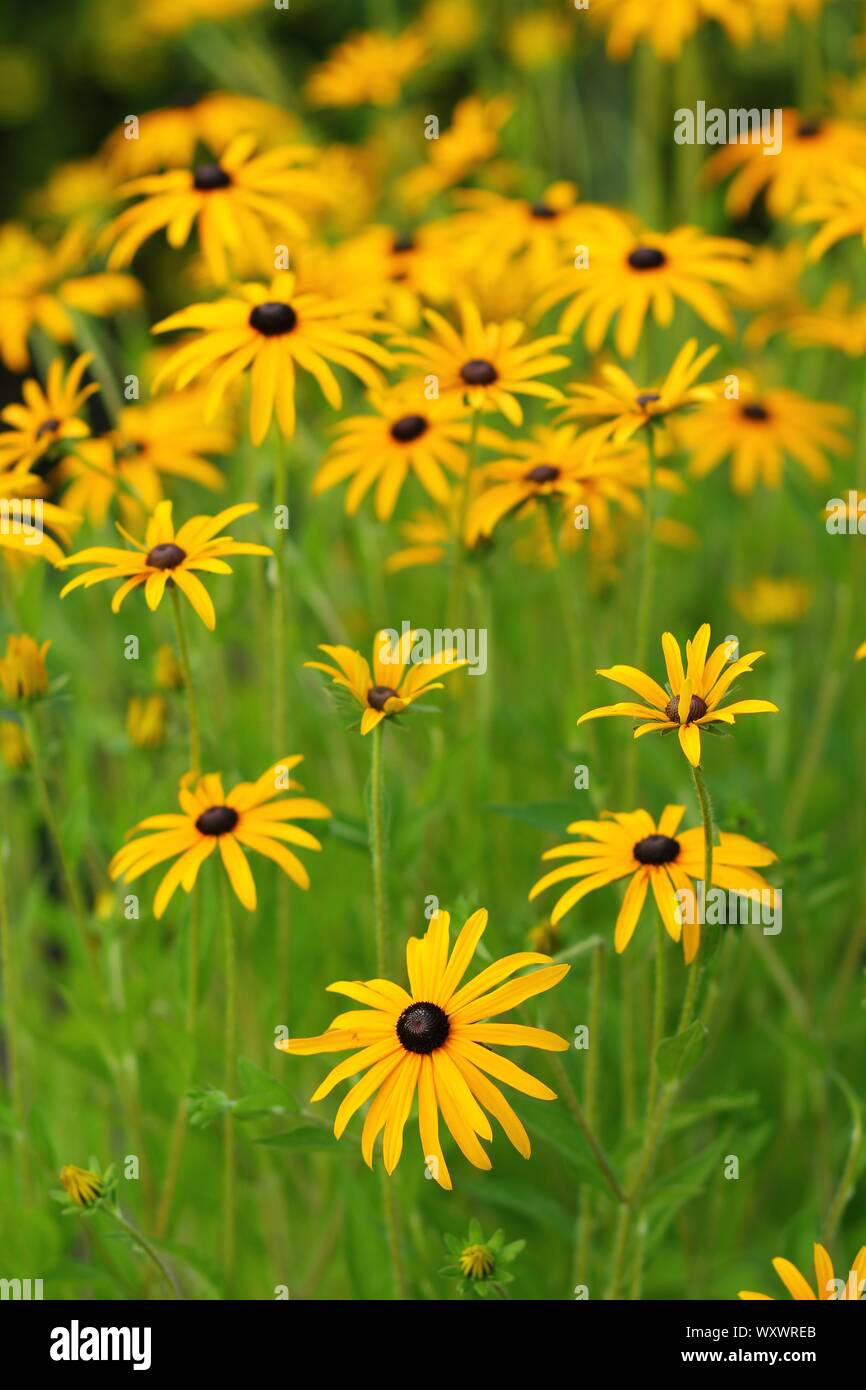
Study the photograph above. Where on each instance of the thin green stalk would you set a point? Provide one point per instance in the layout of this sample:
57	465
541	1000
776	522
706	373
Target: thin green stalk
822	712
586	1204
178	1135
627	1033
658	1013
377	850
284	920
569	1095
189	686
648	561
458	557
10	1020
709	941
144	1245
231	1047
392	1230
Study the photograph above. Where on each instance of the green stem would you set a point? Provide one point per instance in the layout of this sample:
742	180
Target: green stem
10	1020
709	940
586	1203
658	1013
191	701
228	1231
179	1128
392	1229
284	920
143	1245
377	850
458	557
569	1095
648	562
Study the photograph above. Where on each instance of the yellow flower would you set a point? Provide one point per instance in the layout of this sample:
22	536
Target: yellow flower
834	323
433	1039
391	688
471	140
14	745
83	1186
247	818
29	524
555	464
773	16
42	287
428	535
145	721
770	291
490	228
367	67
660	856
667	27
539	40
23	675
46	417
240	201
622	407
801	1290
168	672
692	696
631	271
407	434
759	431
769	602
477	1262
168	556
815	152
272	330
170	135
486	363
841	207
451	26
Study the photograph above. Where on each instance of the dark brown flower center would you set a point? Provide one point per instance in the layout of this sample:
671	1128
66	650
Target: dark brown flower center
697	709
273	318
207	177
379	695
217	820
478	372
754	411
656	849
647	398
48	427
807	130
406	242
423	1027
542	473
647	258
543	211
408	428
166	556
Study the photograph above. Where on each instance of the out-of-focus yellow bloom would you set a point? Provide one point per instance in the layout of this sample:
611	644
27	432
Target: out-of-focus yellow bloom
163	18
769	602
773	16
471	140
145	721
168	672
46	417
23	674
815	154
667	26
832	324
769	290
170	135
367	67
14	745
80	188
538	40
451	26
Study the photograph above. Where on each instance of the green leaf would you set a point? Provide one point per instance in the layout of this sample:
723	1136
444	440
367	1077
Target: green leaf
543	815
302	1137
677	1056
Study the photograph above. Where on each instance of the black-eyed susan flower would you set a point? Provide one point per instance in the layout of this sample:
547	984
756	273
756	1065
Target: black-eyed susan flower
168	556
540	231
249	817
240	201
769	292
622	407
145	720
668	28
43	286
82	1186
758	431
407	433
692	695
14	745
631	271
469	142
815	153
427	536
434	1039
397	680
30	526
367	67
841	209
630	844
486	364
555	464
826	1284
272	330
23	672
46	417
170	135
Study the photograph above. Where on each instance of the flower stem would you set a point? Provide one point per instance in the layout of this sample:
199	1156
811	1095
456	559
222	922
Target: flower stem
284	920
570	1097
711	941
658	1013
648	561
377	850
392	1227
191	701
179	1129
10	1019
143	1245
590	1095
458	558
228	1241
